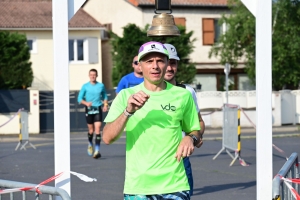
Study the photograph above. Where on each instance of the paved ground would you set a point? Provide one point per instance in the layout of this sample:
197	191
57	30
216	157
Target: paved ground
213	179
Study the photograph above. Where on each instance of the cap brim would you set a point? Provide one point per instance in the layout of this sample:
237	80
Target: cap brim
174	57
139	59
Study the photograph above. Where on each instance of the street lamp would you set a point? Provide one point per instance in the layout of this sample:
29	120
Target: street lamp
163	24
227	71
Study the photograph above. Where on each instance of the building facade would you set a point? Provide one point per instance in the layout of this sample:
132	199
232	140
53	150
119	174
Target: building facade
34	19
199	16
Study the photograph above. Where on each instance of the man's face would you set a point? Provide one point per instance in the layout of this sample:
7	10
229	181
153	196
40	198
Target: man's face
135	65
171	70
93	76
154	66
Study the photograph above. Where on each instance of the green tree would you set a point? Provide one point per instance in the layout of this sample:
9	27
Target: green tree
126	47
15	68
238	42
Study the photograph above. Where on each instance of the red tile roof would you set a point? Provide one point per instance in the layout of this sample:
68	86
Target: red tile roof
182	2
37	14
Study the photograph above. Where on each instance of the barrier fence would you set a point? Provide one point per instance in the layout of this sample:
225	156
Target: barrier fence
23	135
231	137
52	192
289	173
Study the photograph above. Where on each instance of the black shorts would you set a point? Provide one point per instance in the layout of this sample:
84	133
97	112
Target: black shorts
92	118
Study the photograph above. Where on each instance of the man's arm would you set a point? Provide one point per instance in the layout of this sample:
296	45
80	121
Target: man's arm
201	132
202	124
81	95
186	146
104	96
112	130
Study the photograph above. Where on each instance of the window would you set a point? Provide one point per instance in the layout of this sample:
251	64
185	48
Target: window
179	21
76	50
208	81
83	50
211	30
31	42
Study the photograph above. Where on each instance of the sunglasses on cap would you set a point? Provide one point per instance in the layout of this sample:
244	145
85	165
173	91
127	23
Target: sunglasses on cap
136	62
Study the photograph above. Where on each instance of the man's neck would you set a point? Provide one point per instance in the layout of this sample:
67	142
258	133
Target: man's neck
93	82
138	75
173	82
155	88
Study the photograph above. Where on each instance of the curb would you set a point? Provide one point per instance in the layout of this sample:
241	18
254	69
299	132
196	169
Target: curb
280	129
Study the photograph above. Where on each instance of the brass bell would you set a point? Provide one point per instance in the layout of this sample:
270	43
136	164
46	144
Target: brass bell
163	25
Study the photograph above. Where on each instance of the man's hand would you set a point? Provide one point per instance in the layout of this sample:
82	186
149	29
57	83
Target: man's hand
136	101
185	148
88	104
105	108
199	143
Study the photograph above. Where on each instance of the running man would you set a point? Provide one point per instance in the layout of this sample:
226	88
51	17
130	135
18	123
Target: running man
154	113
132	79
170	77
91	95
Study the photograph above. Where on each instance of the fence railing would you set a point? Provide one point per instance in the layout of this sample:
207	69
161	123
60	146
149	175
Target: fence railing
45	190
289	170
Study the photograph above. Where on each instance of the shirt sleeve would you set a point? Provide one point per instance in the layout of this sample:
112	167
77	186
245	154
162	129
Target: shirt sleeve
190	120
117	107
103	93
81	94
192	91
121	85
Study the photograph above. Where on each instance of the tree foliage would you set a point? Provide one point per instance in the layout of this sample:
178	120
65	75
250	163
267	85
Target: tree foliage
238	42
126	47
15	68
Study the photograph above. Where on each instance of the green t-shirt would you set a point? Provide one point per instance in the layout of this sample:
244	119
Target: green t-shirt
153	134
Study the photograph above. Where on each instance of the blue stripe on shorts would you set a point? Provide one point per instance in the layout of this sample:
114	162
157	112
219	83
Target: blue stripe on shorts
184	195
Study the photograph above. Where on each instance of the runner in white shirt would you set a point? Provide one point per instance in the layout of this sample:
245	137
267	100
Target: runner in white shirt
170	77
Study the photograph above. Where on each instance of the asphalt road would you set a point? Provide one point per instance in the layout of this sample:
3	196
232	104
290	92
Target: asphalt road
213	179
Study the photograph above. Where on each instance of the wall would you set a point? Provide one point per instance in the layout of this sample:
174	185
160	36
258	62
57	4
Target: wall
13	127
78	72
42	60
117	12
211	104
107	64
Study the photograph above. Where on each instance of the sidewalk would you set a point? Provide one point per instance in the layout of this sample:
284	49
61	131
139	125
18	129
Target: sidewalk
275	129
248	132
209	134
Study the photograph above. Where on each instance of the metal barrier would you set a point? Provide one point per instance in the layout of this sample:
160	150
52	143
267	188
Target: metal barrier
45	190
24	135
231	139
289	170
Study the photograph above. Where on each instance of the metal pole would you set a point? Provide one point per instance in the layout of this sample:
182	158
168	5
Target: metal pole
61	93
227	71
264	170
226	80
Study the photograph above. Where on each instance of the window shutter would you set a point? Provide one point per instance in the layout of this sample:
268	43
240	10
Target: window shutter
93	50
179	21
208	31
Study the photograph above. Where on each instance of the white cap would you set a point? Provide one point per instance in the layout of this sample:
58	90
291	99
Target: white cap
150	47
172	52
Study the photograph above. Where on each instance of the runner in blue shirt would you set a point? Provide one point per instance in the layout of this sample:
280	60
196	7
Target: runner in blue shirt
132	79
91	95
